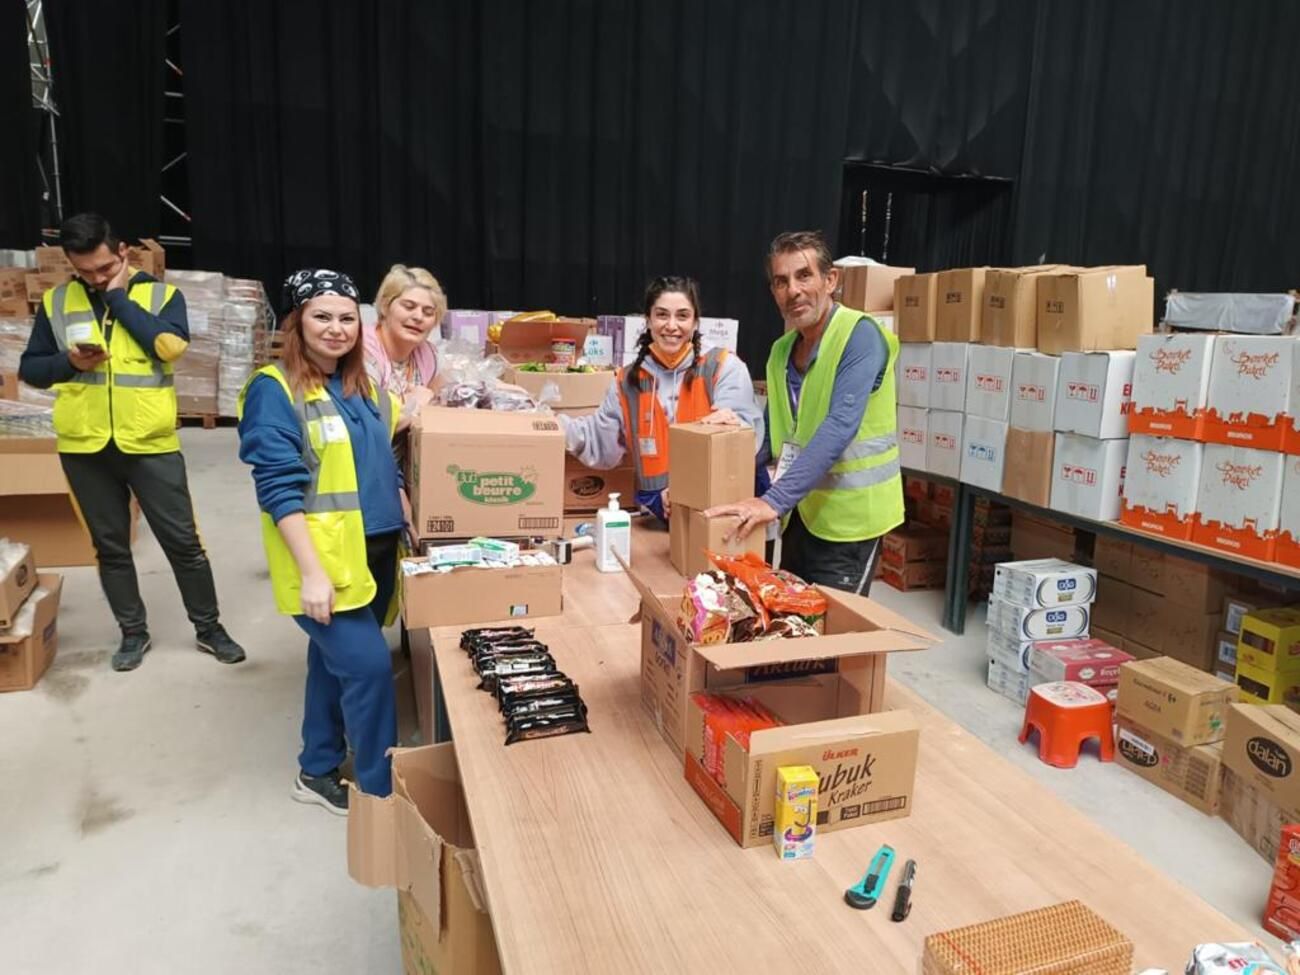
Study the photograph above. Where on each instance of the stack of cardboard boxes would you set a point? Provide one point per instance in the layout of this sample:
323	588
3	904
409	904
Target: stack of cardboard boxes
712	465
915	556
29	612
1267	657
1171	721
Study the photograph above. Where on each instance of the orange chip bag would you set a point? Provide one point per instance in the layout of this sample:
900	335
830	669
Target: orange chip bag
781	593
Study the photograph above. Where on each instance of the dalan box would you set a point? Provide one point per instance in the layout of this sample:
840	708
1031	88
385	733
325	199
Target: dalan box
478	472
1261	746
1010	311
1034	380
1161	479
912	374
1239	500
1252	814
944	451
983	453
1173	699
711	464
1090	309
959	302
1044	583
1088	476
1192	773
1094	394
948	375
989	382
1171	385
913	437
840	674
914	307
1250	400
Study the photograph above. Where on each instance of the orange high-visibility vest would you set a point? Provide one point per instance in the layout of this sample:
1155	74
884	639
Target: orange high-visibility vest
648	424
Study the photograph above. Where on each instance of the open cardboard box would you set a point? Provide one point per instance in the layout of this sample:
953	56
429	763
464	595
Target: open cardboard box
480	595
36	506
418	840
523	342
23	659
859	632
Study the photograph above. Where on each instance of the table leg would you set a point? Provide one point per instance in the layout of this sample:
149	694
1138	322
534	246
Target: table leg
957	578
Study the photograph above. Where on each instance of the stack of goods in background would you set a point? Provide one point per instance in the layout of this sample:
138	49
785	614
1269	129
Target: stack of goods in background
1171	722
625	330
198	371
1261	775
29	611
1036	602
915	556
1267	657
868	286
244	311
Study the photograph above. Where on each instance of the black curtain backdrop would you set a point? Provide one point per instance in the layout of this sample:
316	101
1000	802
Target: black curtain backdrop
557	154
20	204
106	59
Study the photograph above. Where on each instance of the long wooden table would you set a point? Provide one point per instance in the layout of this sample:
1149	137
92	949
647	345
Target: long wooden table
597	856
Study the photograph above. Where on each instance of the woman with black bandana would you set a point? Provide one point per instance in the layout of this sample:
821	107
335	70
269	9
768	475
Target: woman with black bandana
317	433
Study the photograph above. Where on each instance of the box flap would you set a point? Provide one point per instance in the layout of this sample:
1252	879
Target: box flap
1278	719
28	445
448	420
1175	673
787	737
885	619
733	656
390	845
531	341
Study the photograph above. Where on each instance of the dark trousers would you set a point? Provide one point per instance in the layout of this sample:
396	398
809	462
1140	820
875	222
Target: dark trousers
349	695
103	483
849	566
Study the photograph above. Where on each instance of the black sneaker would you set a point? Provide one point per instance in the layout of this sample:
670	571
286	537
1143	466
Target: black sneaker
217	642
325	790
131	651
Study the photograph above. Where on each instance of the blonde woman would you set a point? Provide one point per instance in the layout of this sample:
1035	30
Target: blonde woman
399	356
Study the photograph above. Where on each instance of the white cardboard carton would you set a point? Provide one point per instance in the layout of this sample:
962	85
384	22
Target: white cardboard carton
1044	583
913	437
1033	391
1161	479
1094	394
983	452
913	374
1238	506
1016	623
1251	388
1009	652
948	375
1288	527
1088	475
1010	683
944	450
1171	380
719	333
988	382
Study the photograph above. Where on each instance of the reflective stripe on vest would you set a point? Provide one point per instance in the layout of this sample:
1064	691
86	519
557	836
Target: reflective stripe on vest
657	480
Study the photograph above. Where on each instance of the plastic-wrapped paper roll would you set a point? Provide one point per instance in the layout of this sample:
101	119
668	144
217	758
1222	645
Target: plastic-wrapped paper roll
11	553
23	622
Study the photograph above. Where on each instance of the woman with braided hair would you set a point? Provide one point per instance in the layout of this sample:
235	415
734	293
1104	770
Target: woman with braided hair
671	381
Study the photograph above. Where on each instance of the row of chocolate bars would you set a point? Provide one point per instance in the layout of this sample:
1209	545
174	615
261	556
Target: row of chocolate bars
536	699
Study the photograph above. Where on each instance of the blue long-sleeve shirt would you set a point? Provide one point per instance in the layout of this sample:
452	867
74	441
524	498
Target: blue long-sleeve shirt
860	372
270	440
43	364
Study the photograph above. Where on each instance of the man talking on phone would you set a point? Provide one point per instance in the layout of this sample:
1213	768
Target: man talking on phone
105	341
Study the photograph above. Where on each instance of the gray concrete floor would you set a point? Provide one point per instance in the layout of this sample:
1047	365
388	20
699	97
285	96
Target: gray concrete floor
145	824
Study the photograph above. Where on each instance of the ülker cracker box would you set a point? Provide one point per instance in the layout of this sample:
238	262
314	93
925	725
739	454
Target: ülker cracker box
1161	481
1171	383
1239	500
1250	392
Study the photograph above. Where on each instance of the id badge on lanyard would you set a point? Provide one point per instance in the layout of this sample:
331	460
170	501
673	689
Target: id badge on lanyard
789	454
649	446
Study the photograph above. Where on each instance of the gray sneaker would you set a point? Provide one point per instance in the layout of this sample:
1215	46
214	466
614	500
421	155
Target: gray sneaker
325	790
131	651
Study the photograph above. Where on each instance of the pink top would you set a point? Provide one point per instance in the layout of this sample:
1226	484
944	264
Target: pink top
418	370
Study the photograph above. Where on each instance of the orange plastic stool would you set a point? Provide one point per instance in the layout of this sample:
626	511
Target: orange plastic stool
1065	714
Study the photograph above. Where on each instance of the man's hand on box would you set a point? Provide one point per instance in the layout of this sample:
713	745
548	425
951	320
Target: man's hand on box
753	513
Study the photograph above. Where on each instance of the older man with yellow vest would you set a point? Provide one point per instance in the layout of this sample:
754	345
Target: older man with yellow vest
105	341
832	417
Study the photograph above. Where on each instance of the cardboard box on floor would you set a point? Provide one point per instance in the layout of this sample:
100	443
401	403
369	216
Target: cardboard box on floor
914	307
710	464
476	472
1193	774
476	595
1262	747
418	841
859	632
1252	815
27	649
1091	309
36	506
693	534
1171	698
16	582
1113	557
53	259
868	287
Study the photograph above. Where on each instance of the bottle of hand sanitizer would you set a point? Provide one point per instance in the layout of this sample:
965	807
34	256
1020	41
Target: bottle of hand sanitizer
613	534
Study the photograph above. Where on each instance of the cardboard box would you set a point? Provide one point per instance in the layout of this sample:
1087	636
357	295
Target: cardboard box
722	333
1176	631
1250	396
1261	746
28	647
1237	608
419	841
1020	624
15	307
948	375
39	282
1172	699
1112	609
711	464
1248	811
577	390
914	543
1088	476
1113	557
1034	381
1028	472
1140	652
1270	640
1089	309
868	286
1192	773
1239	500
1044	583
692	534
914	307
1194	585
1086	661
587	489
910	576
959	304
1226	653
1287	550
1171	383
1010	314
54	259
1161	480
625	330
913	437
847	664
1007	681
149	256
36	506
13	287
16	583
943	453
984	452
988	382
476	472
1094	394
1261	686
866	762
478	595
466	325
1034	538
533	341
8	383
912	374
